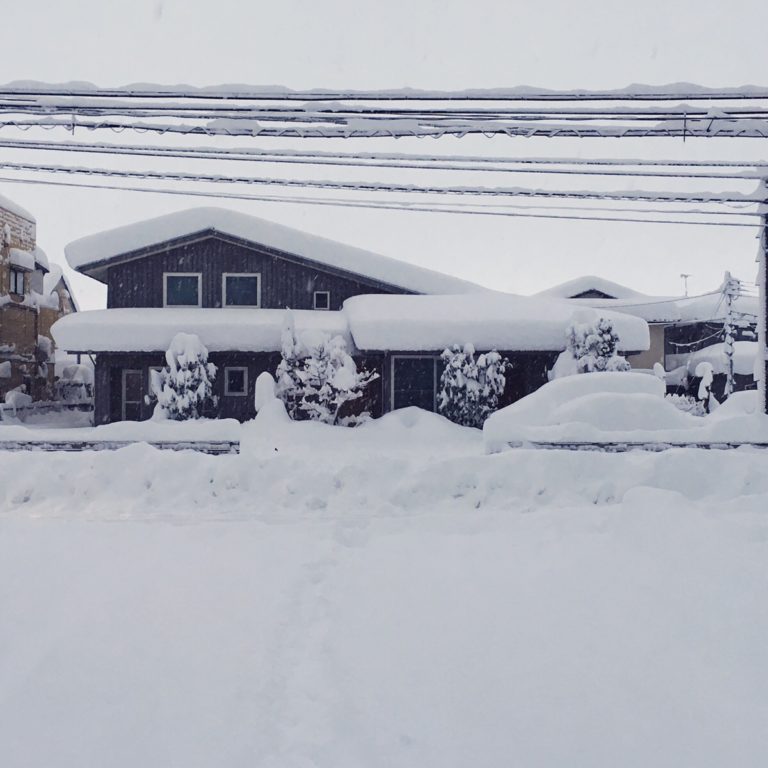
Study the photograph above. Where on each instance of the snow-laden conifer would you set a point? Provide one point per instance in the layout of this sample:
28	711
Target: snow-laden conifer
185	386
471	387
593	346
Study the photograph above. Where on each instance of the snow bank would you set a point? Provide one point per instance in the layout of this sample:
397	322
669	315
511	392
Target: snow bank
613	407
491	321
383	596
153	329
89	252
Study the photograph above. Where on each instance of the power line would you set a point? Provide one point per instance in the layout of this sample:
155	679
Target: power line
368	205
287	157
384	187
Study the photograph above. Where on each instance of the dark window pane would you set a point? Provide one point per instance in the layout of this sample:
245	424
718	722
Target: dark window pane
322	300
133	386
414	382
235	381
242	290
181	290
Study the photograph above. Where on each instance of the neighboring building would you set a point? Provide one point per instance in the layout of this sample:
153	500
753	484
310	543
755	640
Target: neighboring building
29	304
228	277
684	330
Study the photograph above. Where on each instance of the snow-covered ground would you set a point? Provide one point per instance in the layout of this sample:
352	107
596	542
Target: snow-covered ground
384	596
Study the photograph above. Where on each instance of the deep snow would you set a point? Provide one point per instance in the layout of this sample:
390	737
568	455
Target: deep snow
384	596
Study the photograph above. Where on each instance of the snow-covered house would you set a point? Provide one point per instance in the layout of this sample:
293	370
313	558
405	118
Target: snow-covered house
228	278
684	330
30	302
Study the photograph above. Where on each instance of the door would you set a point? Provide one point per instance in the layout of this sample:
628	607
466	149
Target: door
132	395
414	381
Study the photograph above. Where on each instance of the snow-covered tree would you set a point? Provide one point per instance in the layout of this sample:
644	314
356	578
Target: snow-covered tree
288	381
317	378
593	346
185	386
471	387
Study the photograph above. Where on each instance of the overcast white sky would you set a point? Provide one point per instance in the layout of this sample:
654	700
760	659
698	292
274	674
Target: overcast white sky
424	44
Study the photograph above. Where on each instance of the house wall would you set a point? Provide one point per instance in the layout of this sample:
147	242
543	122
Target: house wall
655	352
285	281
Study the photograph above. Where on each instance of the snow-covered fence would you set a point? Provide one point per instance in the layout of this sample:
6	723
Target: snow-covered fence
212	447
21	412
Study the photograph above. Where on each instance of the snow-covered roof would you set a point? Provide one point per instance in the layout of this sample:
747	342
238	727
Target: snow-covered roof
151	330
41	258
52	278
491	321
744	356
712	306
89	253
22	259
653	309
16	209
579	285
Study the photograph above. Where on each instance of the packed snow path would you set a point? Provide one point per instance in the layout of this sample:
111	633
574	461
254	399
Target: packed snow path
386	596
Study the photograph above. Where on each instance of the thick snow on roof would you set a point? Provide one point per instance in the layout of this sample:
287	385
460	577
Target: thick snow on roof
712	307
41	257
653	309
15	208
22	259
151	330
490	321
83	254
572	288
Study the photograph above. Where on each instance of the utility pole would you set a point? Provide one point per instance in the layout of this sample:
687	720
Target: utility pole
685	276
731	289
762	318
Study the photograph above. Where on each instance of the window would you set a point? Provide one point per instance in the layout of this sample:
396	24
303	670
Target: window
322	300
17	281
131	395
236	381
181	289
241	289
414	381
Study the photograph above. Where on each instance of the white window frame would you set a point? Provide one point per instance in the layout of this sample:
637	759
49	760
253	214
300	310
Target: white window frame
244	369
224	277
433	358
314	301
122	389
13	276
198	275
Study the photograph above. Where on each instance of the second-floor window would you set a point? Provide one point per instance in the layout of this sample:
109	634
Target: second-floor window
17	281
241	289
181	289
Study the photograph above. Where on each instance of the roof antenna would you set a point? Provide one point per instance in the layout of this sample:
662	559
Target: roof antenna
685	281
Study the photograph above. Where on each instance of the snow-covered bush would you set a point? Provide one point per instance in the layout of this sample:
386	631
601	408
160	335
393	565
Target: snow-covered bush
705	372
593	346
185	387
317	378
687	404
75	384
471	387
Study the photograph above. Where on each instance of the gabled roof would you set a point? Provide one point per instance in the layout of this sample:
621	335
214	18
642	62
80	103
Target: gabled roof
53	277
91	254
572	289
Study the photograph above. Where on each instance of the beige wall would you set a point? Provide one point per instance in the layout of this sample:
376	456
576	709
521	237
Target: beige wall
655	353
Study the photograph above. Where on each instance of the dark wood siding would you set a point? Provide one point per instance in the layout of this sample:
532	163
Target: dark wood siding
108	383
285	281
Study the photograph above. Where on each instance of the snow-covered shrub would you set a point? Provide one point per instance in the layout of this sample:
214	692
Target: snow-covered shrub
593	346
705	372
75	384
263	391
471	387
317	378
185	387
687	404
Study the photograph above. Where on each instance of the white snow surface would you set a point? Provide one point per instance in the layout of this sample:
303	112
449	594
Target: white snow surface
571	288
614	407
9	205
152	329
491	321
383	596
83	254
22	259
